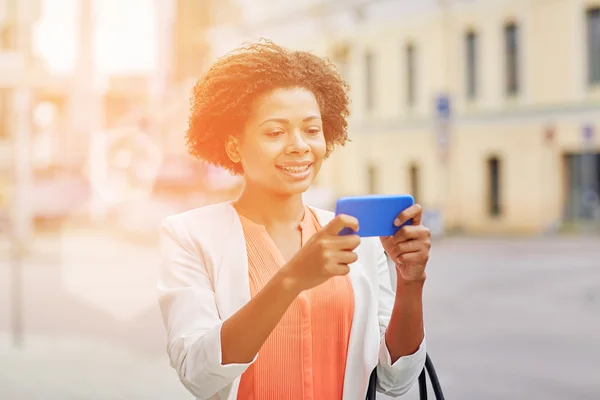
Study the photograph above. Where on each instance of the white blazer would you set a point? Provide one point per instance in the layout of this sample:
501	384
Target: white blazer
203	280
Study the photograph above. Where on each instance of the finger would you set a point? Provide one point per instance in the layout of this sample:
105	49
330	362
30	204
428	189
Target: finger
339	269
385	239
413	212
417	258
349	242
346	257
340	222
410	232
409	246
396	255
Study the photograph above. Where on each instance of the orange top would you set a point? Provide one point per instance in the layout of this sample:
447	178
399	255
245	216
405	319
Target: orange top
304	358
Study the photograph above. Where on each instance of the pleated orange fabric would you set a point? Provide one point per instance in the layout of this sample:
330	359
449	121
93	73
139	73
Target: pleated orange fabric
304	358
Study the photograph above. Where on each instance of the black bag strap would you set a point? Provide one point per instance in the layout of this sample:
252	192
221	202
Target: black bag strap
435	382
423	385
429	369
372	389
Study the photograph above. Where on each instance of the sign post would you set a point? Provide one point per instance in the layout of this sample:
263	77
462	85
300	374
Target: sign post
442	139
22	213
442	107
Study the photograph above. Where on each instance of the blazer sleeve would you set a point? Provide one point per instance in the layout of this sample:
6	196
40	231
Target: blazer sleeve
187	302
393	379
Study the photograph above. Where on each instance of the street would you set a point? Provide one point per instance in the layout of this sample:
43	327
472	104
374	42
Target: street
505	319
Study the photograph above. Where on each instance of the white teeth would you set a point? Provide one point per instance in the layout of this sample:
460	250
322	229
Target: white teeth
296	169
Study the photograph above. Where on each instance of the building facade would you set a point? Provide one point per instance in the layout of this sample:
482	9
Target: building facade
182	57
16	64
487	111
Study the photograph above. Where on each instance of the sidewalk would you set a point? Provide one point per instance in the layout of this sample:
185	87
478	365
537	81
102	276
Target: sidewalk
44	244
52	367
81	369
491	307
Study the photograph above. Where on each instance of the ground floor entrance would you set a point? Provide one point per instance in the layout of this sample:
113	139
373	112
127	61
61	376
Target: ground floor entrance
582	182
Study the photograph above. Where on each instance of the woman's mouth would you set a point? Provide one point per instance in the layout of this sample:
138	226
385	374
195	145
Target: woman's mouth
296	171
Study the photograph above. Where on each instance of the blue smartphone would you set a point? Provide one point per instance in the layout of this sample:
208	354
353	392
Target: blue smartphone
375	213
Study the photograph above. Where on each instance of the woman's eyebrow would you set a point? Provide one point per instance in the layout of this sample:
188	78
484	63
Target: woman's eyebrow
285	121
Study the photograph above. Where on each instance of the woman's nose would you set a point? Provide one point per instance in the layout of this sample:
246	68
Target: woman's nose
297	143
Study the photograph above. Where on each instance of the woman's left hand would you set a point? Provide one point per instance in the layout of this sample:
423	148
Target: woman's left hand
409	247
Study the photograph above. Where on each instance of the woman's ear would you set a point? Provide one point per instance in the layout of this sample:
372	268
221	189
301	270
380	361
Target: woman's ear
232	149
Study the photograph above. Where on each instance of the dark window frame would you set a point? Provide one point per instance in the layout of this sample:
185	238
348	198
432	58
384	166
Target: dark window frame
512	56
593	44
494	186
471	64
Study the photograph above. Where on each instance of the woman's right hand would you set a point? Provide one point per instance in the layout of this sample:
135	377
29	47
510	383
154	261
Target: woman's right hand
325	255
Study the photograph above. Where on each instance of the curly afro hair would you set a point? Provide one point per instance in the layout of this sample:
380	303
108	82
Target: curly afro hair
221	100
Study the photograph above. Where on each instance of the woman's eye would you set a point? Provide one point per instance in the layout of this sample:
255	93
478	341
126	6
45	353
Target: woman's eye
313	131
274	133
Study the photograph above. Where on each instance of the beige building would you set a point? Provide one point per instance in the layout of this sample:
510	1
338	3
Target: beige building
519	151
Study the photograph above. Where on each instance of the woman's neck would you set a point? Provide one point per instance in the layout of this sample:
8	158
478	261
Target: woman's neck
270	209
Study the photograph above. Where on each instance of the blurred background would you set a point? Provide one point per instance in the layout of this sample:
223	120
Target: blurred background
486	111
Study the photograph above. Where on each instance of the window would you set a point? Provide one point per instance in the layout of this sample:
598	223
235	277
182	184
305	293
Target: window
369	81
471	65
373	178
410	75
593	39
511	39
7	37
413	173
494	190
5	112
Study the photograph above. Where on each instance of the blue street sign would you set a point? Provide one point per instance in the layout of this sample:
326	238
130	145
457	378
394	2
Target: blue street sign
588	134
442	109
442	106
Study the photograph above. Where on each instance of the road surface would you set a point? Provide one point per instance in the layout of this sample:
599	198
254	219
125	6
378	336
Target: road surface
505	319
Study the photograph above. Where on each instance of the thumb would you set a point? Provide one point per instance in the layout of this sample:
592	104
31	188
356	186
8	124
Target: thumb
385	239
340	222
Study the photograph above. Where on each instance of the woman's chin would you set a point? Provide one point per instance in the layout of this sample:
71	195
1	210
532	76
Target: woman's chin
295	188
298	188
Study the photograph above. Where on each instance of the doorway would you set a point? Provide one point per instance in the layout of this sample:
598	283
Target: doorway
582	195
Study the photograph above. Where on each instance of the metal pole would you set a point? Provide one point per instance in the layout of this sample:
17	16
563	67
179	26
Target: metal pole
22	213
16	295
23	174
16	289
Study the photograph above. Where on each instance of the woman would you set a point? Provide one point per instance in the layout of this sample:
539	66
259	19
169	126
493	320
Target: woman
260	296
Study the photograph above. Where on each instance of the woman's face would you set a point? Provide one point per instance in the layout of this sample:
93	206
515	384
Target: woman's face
283	145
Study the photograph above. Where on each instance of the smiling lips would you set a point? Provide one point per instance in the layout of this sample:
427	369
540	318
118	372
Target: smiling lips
298	170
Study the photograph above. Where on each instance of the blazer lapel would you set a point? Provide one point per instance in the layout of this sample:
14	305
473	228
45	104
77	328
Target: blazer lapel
364	335
232	285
